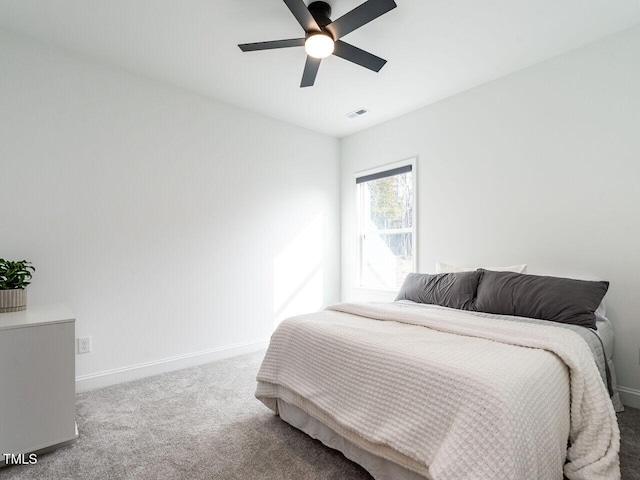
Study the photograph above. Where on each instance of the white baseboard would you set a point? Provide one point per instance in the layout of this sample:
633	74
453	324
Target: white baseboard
134	372
630	397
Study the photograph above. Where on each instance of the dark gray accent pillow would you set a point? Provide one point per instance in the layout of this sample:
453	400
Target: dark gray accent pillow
453	290
557	299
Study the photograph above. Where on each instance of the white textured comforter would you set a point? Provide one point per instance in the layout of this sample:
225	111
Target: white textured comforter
448	394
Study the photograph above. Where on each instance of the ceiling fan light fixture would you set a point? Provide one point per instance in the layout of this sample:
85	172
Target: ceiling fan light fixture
319	45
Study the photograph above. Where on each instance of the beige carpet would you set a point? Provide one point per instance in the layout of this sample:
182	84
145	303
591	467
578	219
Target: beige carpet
204	423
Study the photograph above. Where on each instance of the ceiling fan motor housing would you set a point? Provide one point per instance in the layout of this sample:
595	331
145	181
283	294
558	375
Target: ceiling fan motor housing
320	11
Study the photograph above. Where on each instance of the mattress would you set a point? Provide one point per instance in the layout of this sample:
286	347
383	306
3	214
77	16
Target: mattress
382	469
472	400
604	329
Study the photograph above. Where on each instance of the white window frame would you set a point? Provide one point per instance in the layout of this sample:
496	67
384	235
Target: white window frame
359	219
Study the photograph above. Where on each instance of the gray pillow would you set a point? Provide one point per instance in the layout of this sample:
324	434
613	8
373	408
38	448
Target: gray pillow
453	290
564	300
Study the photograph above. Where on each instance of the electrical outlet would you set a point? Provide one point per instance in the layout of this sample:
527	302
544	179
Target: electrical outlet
84	345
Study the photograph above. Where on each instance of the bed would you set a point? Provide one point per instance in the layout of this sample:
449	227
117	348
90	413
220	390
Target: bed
438	390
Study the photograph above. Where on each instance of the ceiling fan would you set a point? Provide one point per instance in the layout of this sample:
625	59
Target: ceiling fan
322	36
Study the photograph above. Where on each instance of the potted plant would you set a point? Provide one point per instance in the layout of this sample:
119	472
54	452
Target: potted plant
14	278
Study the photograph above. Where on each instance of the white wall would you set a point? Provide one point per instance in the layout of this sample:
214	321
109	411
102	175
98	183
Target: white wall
541	167
172	224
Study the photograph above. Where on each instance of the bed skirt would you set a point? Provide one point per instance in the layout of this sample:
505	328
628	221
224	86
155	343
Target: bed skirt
379	468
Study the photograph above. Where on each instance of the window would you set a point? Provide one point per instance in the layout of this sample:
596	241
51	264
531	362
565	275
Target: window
386	226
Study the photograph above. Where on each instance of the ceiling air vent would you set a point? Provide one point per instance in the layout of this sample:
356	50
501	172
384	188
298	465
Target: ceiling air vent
357	113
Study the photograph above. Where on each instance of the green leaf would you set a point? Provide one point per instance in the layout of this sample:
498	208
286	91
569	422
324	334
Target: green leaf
15	274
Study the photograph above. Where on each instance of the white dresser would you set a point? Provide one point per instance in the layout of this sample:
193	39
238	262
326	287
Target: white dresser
37	379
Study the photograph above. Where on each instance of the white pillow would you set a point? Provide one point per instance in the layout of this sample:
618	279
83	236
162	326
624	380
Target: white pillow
446	268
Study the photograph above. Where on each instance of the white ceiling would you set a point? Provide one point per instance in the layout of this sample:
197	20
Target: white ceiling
434	48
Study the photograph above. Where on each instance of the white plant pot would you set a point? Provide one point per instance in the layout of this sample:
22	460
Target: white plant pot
13	300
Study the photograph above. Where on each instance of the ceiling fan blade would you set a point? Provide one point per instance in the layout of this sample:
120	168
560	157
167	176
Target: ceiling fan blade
292	42
359	16
310	71
359	56
302	14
